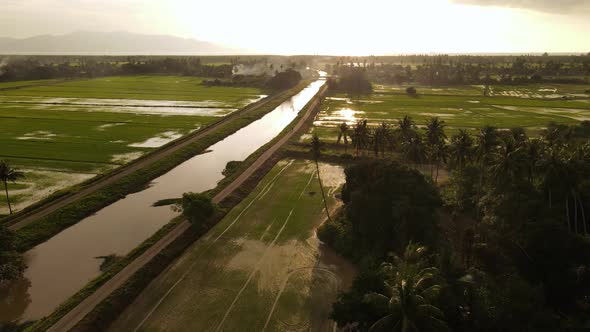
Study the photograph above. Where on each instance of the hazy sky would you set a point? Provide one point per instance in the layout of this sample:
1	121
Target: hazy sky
323	26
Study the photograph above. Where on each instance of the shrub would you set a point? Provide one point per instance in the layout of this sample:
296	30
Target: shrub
197	208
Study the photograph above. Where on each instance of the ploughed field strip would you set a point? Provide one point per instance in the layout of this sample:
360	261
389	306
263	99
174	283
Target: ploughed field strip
531	107
77	129
260	267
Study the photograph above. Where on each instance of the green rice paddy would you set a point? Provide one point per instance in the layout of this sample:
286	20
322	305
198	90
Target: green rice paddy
531	107
90	126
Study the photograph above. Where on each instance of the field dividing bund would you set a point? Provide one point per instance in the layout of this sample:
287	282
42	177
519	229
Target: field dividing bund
260	267
51	127
102	287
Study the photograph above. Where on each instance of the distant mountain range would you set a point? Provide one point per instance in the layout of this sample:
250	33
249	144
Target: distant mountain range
111	43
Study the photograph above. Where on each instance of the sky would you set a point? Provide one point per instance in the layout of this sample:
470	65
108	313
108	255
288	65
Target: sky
368	27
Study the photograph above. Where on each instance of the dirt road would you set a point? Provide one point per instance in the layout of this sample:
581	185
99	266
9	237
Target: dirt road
79	312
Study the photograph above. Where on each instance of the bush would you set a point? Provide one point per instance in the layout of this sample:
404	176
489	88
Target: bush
197	208
231	167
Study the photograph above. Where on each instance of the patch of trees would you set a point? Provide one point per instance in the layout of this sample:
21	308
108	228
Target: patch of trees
83	67
459	70
380	213
284	80
352	81
508	251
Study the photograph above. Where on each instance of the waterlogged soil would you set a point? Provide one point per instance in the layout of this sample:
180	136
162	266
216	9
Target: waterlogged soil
460	107
131	106
261	268
37	185
65	263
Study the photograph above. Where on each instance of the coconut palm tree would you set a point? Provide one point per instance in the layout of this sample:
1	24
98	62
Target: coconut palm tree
461	149
439	154
360	135
343	134
435	137
380	139
414	150
316	146
508	162
487	141
411	288
8	174
551	170
407	129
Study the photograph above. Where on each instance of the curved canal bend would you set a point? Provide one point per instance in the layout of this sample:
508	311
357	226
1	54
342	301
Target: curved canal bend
64	264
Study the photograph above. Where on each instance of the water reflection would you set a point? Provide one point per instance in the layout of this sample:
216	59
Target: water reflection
14	299
65	263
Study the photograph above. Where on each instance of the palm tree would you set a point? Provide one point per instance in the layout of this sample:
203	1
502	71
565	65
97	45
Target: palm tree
435	137
508	162
316	146
407	129
8	174
343	134
551	170
411	287
360	135
461	148
414	150
487	141
439	154
380	139
519	135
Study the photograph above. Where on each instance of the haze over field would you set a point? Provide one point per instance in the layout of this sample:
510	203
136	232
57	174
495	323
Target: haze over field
265	26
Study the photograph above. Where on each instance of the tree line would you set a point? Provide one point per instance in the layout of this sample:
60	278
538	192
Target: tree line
446	70
35	69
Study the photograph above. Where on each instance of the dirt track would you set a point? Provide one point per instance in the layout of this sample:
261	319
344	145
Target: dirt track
79	312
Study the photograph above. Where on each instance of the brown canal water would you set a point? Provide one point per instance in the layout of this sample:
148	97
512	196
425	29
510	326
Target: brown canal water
60	267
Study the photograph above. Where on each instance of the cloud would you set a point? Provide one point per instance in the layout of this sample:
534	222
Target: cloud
550	6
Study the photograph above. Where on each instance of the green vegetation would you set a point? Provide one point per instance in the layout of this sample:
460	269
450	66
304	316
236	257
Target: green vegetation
256	248
445	70
411	286
196	208
285	80
8	174
509	239
142	88
91	136
12	264
458	111
352	81
55	222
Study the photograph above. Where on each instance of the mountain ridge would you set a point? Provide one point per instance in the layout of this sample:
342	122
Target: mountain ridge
111	43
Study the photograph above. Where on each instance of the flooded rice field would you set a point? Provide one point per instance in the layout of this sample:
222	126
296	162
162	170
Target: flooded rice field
130	106
121	226
262	266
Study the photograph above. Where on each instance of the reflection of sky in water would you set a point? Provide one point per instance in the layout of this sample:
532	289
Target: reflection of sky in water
347	115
